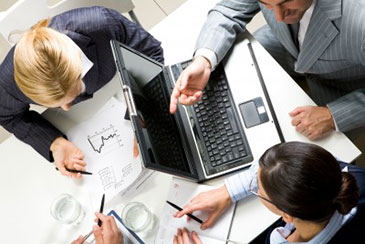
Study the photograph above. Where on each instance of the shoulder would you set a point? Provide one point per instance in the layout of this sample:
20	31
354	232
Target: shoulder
7	70
84	19
353	21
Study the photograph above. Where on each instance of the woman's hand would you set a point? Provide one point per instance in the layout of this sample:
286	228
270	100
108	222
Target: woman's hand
215	202
67	155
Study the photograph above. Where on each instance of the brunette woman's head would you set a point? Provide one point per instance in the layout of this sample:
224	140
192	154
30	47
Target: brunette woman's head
306	182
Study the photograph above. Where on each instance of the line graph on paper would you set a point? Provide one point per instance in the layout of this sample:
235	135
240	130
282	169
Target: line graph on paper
105	140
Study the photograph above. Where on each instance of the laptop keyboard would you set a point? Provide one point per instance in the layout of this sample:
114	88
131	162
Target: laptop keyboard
220	132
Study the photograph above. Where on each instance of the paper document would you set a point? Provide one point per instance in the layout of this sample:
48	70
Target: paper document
107	143
181	192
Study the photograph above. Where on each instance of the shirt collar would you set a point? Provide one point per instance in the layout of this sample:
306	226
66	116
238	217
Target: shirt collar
278	235
86	66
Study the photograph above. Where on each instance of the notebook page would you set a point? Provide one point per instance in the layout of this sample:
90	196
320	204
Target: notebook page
181	192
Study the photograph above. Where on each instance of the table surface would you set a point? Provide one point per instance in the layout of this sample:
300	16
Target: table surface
29	183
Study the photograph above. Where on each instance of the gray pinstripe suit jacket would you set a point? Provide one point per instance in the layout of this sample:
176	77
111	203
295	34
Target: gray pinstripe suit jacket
91	29
332	54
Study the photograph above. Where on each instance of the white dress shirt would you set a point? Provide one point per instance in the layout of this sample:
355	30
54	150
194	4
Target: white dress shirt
86	66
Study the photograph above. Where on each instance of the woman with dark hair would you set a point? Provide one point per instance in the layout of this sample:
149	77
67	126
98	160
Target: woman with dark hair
303	183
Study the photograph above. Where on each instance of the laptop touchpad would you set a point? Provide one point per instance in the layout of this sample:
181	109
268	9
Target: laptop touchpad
253	112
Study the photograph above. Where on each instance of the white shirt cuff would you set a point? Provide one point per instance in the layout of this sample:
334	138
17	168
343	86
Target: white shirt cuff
334	121
208	54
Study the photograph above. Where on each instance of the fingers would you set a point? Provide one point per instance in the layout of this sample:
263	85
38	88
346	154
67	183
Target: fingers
108	224
79	240
185	236
179	236
195	238
210	221
135	148
62	169
190	208
188	100
79	162
174	98
297	111
98	235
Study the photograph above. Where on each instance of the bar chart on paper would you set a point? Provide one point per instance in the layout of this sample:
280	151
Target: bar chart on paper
105	140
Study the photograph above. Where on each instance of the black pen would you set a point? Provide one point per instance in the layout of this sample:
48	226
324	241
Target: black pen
77	171
99	221
190	215
101	209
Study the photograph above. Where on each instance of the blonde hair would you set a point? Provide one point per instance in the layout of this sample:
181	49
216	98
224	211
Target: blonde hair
47	64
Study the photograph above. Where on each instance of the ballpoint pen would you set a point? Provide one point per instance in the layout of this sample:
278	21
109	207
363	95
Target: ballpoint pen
77	171
99	221
190	215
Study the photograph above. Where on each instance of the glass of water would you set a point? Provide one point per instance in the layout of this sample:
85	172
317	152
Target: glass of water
137	217
67	210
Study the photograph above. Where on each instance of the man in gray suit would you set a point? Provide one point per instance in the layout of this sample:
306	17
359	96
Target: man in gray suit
319	40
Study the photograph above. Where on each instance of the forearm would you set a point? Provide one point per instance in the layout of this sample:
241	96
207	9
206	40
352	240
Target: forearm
349	111
31	128
225	21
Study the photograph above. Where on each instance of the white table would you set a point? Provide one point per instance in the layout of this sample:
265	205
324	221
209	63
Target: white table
29	183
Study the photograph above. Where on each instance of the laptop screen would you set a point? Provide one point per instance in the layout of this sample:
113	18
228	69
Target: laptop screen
157	130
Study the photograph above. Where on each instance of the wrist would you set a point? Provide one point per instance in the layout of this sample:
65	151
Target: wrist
204	61
331	119
225	195
58	141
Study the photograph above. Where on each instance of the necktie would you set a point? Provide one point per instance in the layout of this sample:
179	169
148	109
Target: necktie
294	29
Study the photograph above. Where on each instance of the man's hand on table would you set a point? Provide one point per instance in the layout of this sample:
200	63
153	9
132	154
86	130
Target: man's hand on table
67	155
215	202
191	83
108	233
312	121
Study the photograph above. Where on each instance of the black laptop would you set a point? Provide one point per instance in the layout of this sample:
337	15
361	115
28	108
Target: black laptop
198	142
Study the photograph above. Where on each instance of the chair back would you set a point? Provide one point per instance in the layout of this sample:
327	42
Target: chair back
25	13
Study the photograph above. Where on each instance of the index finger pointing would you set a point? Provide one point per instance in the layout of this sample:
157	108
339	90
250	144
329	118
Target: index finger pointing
188	209
174	99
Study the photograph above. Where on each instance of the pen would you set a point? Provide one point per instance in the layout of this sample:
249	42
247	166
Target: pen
77	171
99	221
190	215
101	208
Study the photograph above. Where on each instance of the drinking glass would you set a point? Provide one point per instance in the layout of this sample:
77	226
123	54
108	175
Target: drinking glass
67	210
137	217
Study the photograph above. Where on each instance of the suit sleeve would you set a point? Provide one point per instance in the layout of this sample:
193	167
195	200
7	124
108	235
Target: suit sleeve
349	111
28	126
225	21
133	35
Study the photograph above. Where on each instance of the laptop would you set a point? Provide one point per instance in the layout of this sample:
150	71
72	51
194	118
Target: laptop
198	142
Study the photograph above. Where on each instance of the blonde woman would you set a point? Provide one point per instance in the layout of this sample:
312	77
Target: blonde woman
60	62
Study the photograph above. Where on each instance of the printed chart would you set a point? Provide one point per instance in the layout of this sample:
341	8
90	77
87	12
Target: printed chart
105	140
